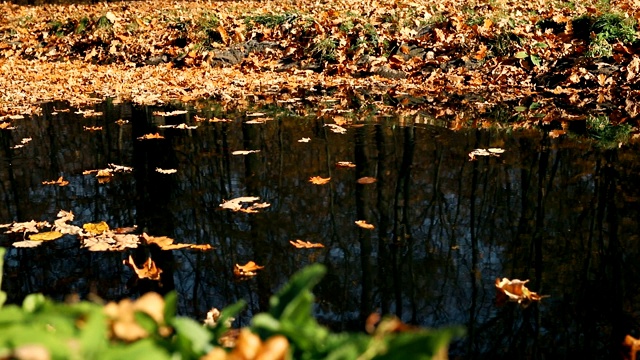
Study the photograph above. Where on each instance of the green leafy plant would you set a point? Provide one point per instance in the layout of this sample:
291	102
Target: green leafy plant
325	49
149	329
607	134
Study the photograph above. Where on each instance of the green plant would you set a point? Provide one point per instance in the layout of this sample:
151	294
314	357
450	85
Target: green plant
149	329
325	49
607	134
271	20
103	23
82	26
605	30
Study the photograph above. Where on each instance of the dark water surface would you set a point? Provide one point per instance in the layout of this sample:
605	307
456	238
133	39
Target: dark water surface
559	212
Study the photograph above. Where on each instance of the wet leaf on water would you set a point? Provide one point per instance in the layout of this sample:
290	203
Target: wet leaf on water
633	346
125	230
258	121
244	152
246	270
27	227
305	244
255	114
109	241
318	180
59	182
26	244
122	122
92	128
236	204
364	224
179	126
151	136
46	236
336	128
515	291
345	164
6	126
61	224
166	171
96	228
304	140
170	113
366	180
485	152
166	243
148	270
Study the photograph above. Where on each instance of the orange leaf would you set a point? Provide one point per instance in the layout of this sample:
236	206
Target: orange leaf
305	244
59	182
166	243
147	271
366	180
151	136
365	225
248	269
317	180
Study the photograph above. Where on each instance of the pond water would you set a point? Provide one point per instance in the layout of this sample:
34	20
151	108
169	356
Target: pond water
557	211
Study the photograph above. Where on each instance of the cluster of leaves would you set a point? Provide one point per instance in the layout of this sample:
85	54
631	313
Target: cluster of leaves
402	54
148	328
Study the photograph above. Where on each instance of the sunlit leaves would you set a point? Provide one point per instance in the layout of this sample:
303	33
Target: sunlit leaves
319	180
166	171
237	204
244	152
336	128
300	244
304	140
96	228
148	270
179	127
515	291
247	270
60	182
122	317
345	164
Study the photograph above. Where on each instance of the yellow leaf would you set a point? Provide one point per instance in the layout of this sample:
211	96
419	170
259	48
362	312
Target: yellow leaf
317	180
45	236
96	228
248	269
305	244
363	224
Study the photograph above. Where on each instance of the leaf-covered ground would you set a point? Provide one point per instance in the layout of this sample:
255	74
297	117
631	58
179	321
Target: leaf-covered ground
463	61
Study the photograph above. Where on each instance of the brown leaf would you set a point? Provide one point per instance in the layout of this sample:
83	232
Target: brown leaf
166	243
345	164
366	180
147	271
305	244
317	180
365	225
246	270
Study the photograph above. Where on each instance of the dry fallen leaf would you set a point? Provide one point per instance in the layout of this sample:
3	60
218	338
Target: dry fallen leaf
122	316
92	128
147	271
485	152
317	180
96	228
236	204
26	244
515	291
246	270
305	244
363	224
633	345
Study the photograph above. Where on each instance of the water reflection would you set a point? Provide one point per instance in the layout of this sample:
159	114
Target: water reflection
556	211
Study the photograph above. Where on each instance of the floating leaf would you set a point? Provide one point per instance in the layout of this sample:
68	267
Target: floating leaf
166	243
28	226
148	270
236	204
92	128
304	140
151	136
246	270
345	164
305	244
485	152
46	236
179	126
170	113
516	291
365	225
317	180
26	244
59	182
336	128
96	228
166	171
244	152
366	180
